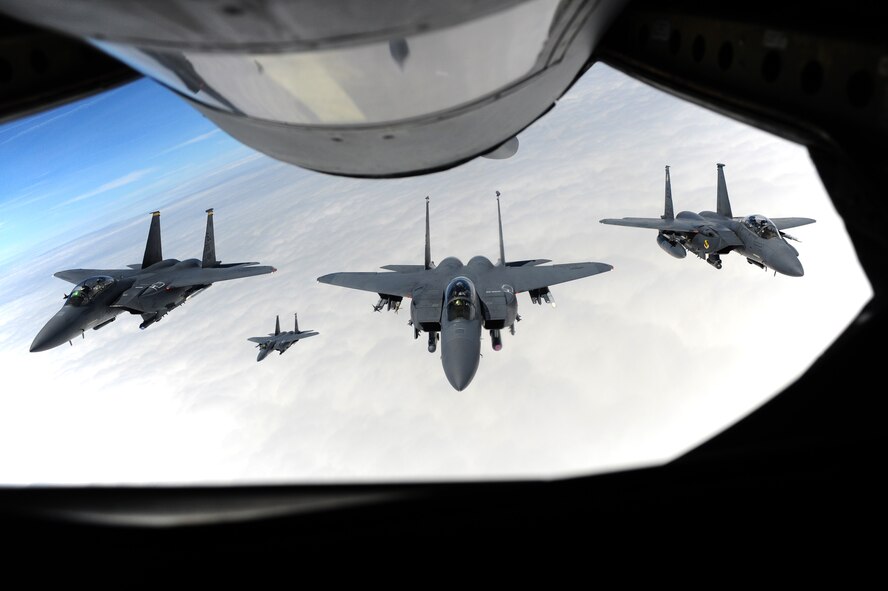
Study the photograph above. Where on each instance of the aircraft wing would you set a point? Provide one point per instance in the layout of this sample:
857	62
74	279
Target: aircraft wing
290	338
785	223
283	338
77	275
396	284
674	225
404	268
199	276
528	278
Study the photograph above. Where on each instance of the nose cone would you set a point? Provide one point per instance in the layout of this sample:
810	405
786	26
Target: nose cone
785	261
460	358
263	353
62	327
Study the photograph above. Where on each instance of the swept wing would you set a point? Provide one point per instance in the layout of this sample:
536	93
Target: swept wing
396	284
200	276
529	277
785	223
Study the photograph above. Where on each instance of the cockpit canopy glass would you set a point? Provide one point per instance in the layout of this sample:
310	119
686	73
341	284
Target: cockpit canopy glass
460	298
88	290
762	226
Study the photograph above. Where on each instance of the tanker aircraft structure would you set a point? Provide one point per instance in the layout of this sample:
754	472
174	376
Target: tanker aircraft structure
711	234
151	289
453	301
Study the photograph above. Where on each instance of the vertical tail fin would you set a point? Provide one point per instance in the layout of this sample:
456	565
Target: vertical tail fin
277	325
723	206
499	218
209	252
428	243
296	322
153	252
668	213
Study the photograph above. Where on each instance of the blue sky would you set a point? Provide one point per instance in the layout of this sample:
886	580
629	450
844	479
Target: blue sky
99	154
634	367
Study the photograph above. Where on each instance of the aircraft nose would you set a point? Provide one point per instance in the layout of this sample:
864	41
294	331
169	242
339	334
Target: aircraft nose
61	328
787	263
460	360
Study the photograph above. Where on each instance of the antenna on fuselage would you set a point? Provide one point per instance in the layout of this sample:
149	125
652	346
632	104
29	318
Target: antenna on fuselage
499	218
428	244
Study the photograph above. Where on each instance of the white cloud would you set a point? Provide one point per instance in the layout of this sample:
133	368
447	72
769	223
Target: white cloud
194	140
634	366
113	184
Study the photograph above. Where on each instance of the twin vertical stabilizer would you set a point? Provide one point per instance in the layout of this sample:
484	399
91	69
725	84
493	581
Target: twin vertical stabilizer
499	217
153	252
428	242
723	206
669	212
209	251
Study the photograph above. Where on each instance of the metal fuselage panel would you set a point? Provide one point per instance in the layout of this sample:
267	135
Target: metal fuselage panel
151	292
460	350
72	321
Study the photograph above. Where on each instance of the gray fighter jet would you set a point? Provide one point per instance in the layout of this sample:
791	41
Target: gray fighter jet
457	300
280	341
711	234
151	289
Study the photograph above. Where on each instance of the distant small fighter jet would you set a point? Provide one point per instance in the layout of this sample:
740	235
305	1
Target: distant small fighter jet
280	341
457	300
711	234
151	289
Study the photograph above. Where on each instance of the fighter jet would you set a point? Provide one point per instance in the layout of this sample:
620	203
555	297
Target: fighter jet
151	289
280	341
457	300
711	234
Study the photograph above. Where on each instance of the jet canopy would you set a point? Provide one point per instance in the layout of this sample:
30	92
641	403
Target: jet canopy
460	298
762	226
88	290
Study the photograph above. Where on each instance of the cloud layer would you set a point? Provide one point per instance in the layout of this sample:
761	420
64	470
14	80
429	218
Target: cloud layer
634	366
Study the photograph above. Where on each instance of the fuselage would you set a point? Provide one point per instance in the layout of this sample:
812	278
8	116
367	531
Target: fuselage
463	295
755	237
151	292
87	306
763	243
